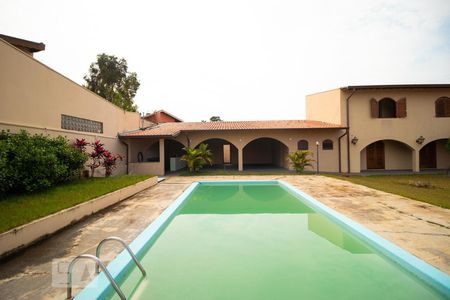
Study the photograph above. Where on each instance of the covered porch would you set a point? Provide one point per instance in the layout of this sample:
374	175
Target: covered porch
157	156
162	156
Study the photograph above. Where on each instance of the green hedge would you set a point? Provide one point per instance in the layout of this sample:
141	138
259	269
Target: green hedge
35	162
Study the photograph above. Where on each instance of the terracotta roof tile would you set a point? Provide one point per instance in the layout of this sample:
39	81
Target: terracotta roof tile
174	129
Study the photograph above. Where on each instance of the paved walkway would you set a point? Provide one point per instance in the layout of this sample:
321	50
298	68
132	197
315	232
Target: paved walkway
422	229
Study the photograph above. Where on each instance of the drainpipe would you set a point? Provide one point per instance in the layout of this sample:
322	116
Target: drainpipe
347	107
339	149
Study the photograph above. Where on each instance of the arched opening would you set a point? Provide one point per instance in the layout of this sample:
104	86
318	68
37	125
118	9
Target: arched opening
434	155
387	108
442	106
225	154
265	153
173	150
386	155
302	145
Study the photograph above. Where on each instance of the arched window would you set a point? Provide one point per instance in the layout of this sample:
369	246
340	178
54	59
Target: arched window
442	106
387	108
327	145
302	145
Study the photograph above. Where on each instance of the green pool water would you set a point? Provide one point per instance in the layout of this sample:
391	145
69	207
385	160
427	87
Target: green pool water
249	241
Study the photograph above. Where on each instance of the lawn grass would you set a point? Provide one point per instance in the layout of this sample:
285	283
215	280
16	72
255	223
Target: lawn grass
438	193
19	209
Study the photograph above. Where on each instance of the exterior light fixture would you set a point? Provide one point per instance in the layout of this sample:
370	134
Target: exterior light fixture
420	140
354	140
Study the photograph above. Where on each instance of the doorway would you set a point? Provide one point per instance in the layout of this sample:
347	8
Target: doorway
375	155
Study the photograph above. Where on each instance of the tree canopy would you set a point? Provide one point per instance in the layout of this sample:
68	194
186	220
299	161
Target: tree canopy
109	78
215	119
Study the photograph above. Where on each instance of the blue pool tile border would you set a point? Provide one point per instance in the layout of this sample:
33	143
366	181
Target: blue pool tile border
100	287
423	270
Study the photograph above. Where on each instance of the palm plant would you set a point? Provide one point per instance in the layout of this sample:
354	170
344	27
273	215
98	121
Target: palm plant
205	153
299	160
196	158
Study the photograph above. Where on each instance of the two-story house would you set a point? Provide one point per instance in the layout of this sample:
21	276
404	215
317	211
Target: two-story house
390	127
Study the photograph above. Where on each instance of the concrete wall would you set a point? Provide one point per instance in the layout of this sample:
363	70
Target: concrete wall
442	155
33	97
328	106
150	148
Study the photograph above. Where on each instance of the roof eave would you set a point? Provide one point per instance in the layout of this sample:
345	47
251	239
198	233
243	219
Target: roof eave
395	86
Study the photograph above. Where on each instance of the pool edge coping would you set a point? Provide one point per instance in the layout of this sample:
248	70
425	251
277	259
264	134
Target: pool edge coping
118	266
425	271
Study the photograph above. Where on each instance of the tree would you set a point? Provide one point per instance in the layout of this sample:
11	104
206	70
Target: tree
215	119
196	158
109	78
299	160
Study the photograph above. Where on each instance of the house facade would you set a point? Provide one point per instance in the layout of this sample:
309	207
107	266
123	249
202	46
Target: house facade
390	127
351	129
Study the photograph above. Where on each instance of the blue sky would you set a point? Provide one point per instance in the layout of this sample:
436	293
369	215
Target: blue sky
201	58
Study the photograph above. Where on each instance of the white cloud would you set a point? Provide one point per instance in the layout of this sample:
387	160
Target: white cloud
241	59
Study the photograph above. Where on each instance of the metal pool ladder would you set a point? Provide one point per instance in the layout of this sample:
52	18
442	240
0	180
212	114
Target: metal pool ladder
98	263
117	239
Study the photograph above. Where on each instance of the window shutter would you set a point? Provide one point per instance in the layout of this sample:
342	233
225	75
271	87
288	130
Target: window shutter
401	108
440	107
374	108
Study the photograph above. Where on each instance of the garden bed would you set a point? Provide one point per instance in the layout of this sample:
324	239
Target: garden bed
16	210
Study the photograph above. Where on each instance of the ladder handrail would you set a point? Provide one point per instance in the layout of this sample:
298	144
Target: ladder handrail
117	239
98	263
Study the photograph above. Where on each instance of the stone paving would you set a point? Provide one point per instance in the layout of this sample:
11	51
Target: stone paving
420	228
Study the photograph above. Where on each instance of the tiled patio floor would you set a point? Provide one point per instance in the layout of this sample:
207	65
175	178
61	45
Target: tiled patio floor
420	228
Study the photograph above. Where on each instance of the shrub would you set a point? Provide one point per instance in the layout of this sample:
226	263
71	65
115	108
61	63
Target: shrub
99	156
34	162
197	158
110	162
299	160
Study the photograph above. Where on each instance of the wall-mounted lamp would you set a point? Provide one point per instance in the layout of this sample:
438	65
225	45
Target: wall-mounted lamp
420	140
354	140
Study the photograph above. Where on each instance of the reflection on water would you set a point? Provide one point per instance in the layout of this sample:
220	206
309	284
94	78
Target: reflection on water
325	228
260	242
242	199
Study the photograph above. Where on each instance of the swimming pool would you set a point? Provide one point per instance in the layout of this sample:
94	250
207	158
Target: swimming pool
264	240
